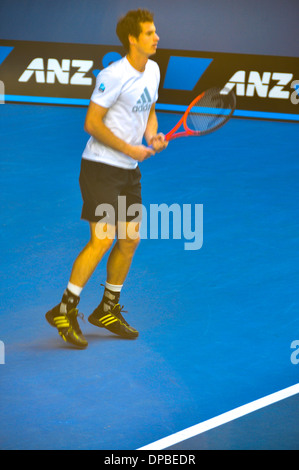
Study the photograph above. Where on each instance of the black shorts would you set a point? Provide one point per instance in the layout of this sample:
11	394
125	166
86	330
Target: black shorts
103	184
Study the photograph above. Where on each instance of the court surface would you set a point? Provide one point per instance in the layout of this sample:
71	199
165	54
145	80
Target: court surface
216	324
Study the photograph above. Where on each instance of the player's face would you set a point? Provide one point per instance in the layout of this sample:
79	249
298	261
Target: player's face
147	41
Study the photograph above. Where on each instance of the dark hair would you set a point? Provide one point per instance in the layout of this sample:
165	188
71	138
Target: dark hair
130	25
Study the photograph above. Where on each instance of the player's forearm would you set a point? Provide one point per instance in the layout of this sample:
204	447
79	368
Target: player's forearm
152	127
101	133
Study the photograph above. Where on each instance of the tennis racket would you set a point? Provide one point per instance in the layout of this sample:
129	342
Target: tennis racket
208	112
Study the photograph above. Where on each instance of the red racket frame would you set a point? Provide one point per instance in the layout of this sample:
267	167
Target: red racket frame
171	134
183	121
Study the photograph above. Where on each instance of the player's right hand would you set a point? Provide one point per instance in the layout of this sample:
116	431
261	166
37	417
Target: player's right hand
141	152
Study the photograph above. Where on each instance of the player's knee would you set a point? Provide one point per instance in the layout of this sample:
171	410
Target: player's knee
101	245
102	237
129	244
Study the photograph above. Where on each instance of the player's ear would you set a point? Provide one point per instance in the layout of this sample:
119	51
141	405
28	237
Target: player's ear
132	40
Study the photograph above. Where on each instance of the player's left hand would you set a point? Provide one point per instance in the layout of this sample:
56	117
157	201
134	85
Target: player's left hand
158	142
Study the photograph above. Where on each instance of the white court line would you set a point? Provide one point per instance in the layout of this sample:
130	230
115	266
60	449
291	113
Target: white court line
222	419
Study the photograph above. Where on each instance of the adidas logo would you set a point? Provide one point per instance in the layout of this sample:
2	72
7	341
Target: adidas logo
144	103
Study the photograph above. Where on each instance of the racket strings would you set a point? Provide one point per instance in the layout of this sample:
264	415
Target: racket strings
210	112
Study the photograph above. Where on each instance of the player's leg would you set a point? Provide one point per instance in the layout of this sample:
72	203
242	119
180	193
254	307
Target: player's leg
108	313
92	253
121	256
65	315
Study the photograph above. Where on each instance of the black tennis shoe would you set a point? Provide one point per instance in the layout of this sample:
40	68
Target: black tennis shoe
68	326
113	321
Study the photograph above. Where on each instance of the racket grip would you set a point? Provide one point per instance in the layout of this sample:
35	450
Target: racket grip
165	138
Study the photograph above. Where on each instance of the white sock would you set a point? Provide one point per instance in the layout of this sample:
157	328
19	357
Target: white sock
76	290
113	287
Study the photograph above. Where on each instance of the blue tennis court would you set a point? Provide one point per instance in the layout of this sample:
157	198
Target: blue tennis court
216	324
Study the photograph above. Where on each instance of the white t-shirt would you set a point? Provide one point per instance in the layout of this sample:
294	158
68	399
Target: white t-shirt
129	95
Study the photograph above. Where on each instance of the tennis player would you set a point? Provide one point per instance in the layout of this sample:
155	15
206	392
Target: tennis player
120	114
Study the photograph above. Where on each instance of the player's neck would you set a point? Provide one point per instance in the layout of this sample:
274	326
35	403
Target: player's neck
137	61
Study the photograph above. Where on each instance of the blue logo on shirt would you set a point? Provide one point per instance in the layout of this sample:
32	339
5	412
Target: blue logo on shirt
144	103
102	88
